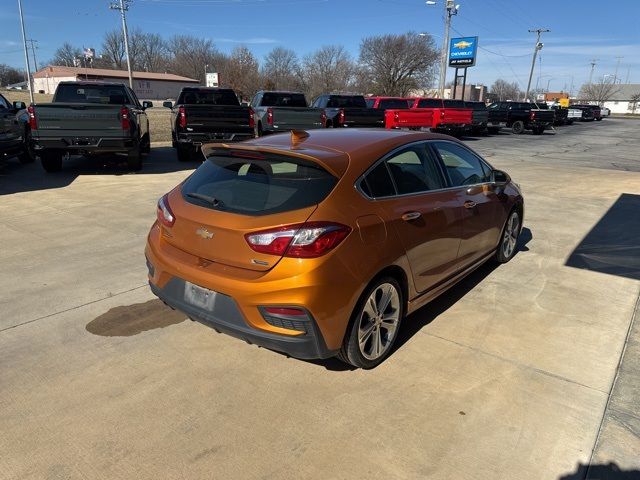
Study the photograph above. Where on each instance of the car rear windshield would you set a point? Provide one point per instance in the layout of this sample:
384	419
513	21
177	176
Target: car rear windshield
346	101
429	103
208	97
453	104
277	99
104	94
393	103
251	183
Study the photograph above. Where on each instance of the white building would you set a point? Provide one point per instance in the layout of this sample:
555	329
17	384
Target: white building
622	100
147	85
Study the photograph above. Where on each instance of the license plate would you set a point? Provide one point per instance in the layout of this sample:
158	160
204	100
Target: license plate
199	296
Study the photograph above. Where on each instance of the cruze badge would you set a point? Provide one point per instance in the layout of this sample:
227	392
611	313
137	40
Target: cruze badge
204	233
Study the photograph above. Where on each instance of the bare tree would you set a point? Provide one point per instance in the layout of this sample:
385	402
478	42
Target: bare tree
241	72
192	54
113	49
504	90
329	69
9	75
635	98
281	70
153	54
599	92
397	64
66	55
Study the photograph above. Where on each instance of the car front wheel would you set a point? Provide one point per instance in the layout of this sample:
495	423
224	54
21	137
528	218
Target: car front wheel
508	241
374	324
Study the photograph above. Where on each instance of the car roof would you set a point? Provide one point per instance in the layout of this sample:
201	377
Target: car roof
336	149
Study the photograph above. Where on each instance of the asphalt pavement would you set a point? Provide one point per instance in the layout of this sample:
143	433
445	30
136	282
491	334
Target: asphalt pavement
528	370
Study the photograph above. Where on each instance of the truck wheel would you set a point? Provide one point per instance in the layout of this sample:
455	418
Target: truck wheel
493	130
599	119
517	127
28	154
259	132
134	159
538	130
184	153
146	143
51	160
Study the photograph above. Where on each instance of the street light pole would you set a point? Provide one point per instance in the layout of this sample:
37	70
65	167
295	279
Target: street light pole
537	47
123	6
205	75
450	9
26	53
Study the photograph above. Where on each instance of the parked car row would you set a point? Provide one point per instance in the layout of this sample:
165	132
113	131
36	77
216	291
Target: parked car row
93	118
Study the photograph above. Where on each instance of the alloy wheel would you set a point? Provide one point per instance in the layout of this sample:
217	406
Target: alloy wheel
379	321
510	237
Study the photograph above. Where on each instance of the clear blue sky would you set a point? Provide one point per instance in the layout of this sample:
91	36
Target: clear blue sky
580	30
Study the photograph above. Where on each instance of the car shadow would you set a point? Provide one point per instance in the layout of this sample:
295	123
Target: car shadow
609	471
16	177
413	323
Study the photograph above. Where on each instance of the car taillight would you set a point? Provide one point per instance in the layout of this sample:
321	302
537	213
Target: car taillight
442	114
165	215
252	120
396	116
341	117
182	117
33	123
307	240
323	118
532	116
270	116
124	118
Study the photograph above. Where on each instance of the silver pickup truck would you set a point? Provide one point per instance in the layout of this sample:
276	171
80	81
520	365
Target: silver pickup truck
88	118
282	111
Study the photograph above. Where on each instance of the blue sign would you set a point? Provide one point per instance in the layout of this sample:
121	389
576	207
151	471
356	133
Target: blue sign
462	52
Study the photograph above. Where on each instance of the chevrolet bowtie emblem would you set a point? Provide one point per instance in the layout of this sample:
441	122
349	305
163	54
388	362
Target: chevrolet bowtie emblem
462	44
204	233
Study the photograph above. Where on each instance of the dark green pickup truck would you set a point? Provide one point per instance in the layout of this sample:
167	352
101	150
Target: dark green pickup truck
89	118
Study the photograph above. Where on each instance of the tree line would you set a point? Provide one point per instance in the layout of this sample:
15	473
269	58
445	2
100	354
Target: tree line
386	64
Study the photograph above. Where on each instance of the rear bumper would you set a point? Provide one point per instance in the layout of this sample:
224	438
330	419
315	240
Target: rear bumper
85	144
226	317
197	139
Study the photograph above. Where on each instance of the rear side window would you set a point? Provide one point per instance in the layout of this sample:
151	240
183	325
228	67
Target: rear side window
103	94
462	166
4	104
258	185
370	102
278	99
429	103
208	97
377	183
393	104
413	171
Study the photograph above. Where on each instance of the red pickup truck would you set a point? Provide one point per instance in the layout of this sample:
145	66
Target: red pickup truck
448	115
398	115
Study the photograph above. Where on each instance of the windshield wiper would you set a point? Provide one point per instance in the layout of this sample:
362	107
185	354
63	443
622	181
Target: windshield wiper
207	198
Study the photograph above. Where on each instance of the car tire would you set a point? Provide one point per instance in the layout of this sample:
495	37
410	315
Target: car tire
184	153
517	127
368	347
134	159
493	130
146	144
259	131
28	154
509	238
599	119
51	160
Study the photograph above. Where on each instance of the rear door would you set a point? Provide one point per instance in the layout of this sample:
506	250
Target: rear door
482	211
409	185
8	125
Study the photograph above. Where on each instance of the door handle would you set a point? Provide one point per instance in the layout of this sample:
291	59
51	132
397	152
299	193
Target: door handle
409	216
469	204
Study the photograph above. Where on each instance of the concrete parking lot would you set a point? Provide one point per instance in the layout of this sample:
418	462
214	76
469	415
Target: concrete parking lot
529	370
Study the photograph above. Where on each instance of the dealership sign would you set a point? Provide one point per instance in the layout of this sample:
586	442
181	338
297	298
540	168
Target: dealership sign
462	52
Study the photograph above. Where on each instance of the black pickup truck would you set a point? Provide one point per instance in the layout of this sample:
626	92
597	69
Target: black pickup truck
90	118
348	111
284	111
15	132
479	116
519	116
202	115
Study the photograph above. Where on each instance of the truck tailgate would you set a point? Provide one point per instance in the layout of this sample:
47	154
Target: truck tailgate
218	119
413	118
457	116
286	118
78	119
363	117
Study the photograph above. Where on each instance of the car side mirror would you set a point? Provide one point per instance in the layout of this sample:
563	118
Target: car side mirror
19	105
499	177
167	104
147	104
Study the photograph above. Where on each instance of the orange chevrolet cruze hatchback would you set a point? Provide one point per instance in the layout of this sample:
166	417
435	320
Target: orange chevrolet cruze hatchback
318	244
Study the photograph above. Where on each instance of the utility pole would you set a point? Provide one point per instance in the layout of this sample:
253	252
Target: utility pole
123	6
26	53
593	66
450	9
615	76
33	50
537	47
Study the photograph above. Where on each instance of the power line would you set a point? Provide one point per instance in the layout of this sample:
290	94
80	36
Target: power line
123	7
33	50
536	49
